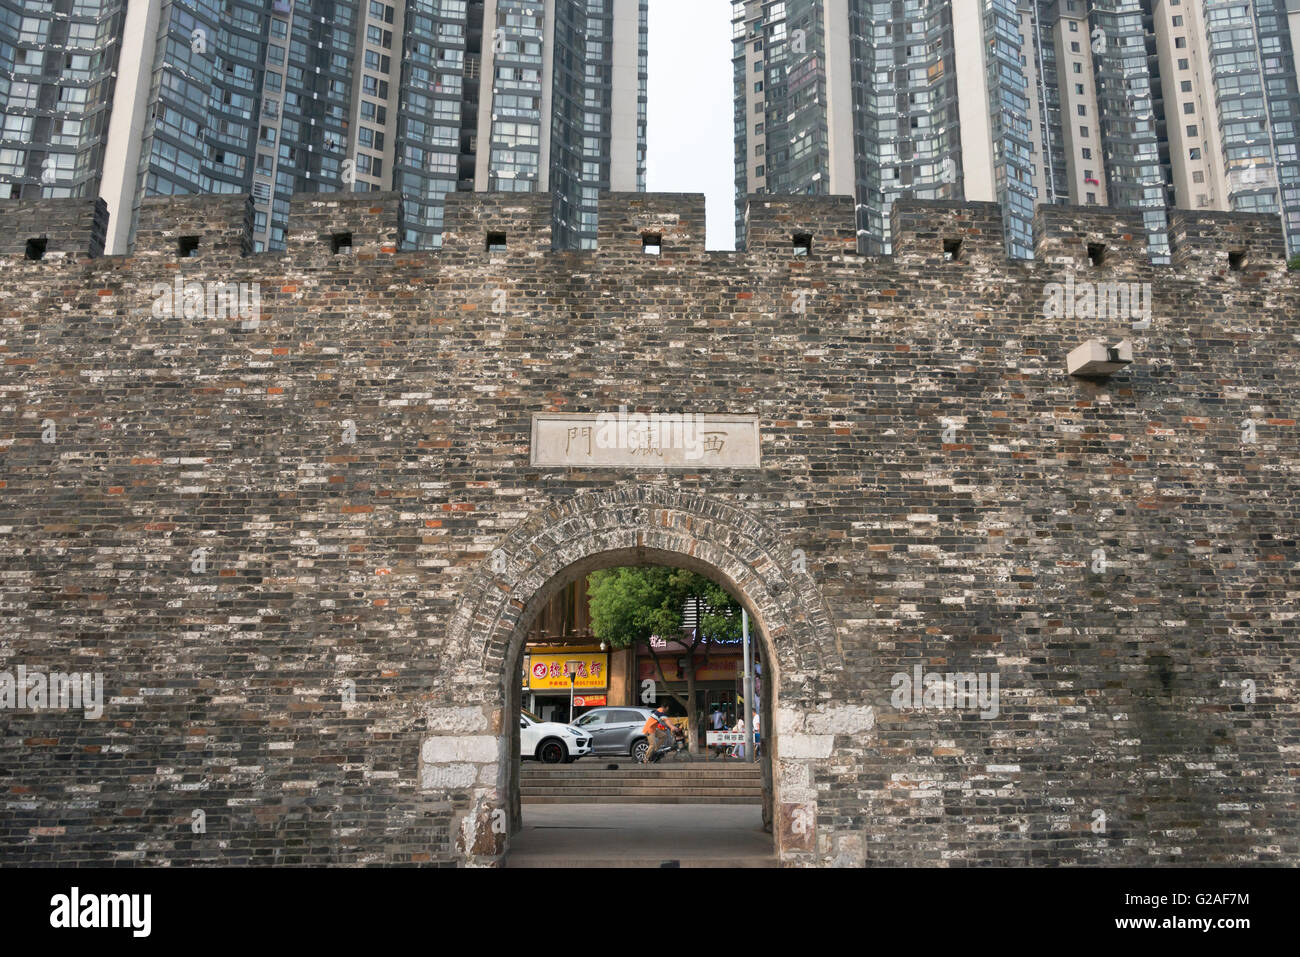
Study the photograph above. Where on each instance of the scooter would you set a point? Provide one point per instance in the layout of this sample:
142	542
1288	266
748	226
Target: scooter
678	744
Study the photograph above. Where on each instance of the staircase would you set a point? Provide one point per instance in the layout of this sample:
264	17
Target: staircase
590	781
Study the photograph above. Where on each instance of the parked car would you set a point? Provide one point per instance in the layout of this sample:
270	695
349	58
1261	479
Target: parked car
616	730
550	741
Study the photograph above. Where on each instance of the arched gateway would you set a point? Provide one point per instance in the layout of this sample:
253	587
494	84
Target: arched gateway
622	525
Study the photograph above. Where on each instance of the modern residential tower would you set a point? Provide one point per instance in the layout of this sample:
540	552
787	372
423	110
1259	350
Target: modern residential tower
1137	103
273	97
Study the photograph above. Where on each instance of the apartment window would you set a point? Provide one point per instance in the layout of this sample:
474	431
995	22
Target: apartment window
1074	46
1092	198
758	87
1078	67
1180	42
758	129
1086	153
1074	26
1083	131
758	171
1198	176
1082	110
1194	153
1087	174
1185	86
758	66
279	29
1189	108
1192	131
1182	64
1178	21
1078	88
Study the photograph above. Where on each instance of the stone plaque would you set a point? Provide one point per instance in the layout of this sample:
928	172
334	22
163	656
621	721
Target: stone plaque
645	440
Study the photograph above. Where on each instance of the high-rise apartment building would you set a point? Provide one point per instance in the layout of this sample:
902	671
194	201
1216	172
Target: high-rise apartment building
1138	103
273	97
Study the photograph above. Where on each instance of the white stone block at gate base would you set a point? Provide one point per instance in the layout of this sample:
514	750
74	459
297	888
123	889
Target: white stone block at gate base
457	720
842	719
448	748
805	746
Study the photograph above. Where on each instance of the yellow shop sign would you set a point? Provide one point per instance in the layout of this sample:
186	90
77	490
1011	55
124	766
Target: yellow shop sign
550	672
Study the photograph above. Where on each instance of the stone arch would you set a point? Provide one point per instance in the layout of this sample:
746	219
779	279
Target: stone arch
620	525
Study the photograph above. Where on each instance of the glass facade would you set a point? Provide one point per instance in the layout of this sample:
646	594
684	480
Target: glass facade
57	64
273	97
1258	107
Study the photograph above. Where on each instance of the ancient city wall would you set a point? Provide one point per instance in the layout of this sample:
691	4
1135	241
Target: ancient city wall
296	529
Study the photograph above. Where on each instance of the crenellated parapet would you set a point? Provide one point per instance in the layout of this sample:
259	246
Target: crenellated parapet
646	230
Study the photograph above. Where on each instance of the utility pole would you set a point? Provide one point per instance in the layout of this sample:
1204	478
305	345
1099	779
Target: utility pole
749	688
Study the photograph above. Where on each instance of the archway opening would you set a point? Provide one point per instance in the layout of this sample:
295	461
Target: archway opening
471	753
589	783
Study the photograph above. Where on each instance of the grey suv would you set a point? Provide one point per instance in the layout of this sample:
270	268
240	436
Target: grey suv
616	730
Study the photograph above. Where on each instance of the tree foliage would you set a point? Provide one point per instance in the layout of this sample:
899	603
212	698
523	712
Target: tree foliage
629	605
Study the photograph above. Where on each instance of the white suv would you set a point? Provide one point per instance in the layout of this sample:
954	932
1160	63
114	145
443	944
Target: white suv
549	741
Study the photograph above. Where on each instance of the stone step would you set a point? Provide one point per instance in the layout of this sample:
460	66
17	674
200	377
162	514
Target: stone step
651	785
562	770
528	860
597	792
589	798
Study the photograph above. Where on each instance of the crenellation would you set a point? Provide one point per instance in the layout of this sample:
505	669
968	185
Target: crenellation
215	228
53	230
520	222
630	224
323	226
1105	243
776	225
947	234
1227	245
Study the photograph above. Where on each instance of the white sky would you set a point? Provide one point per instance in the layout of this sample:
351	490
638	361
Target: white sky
689	136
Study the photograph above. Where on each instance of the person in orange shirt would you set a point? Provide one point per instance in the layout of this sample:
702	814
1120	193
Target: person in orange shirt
653	727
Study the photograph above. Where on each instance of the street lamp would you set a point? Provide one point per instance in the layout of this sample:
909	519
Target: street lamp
572	668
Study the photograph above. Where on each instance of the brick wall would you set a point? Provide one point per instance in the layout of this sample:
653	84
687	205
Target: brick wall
271	528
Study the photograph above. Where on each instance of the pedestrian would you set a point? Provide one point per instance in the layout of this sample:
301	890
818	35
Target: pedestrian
717	722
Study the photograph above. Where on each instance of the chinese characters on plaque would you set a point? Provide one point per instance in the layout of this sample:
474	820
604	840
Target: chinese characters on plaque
639	440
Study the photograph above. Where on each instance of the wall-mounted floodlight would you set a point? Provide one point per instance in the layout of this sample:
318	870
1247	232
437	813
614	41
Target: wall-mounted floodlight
1095	358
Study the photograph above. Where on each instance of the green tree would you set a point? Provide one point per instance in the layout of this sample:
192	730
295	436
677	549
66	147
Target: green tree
631	605
1294	263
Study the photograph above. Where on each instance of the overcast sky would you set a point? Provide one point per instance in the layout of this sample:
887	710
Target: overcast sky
689	138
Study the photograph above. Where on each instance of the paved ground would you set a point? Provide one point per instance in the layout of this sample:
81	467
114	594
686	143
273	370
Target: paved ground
641	835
